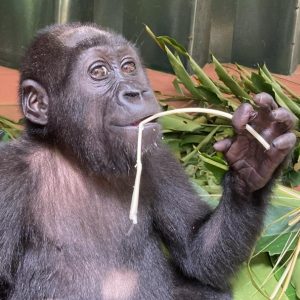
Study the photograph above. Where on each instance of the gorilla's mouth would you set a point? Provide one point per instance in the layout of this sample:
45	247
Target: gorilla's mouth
129	130
137	123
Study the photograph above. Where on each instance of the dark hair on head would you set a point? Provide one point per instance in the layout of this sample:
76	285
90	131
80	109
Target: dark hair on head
49	56
46	59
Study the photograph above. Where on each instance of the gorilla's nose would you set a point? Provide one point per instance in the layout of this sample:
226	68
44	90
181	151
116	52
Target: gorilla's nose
131	96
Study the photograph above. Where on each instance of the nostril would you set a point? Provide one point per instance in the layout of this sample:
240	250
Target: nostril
130	96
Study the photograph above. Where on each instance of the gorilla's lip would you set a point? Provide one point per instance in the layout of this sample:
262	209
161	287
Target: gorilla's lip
137	123
132	128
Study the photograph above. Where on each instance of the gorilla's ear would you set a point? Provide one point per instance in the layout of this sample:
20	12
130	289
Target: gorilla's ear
35	102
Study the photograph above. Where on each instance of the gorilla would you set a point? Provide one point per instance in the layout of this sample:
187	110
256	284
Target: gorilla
66	183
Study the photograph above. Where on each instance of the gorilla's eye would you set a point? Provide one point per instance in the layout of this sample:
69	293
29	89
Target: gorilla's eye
98	72
128	67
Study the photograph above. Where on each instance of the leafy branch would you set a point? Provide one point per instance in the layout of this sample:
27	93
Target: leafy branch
273	271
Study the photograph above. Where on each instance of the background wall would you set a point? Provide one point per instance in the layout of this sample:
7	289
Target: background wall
243	31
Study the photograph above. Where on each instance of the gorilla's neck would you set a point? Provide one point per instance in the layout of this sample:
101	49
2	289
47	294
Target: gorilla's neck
113	161
54	158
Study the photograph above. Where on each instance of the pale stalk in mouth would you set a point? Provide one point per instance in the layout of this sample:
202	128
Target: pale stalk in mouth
136	189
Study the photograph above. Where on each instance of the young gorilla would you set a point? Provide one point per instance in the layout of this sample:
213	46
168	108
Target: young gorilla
66	184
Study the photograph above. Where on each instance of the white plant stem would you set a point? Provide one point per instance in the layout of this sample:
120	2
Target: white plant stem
136	190
287	275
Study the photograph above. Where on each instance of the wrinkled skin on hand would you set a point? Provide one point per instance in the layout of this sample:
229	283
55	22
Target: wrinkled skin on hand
246	157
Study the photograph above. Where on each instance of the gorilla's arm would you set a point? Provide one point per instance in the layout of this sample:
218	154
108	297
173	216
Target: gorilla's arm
210	245
14	189
206	245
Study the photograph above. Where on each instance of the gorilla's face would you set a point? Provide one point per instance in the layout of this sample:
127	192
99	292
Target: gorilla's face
106	96
112	84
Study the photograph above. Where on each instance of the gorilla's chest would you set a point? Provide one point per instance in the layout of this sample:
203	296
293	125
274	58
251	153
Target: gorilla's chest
87	225
97	242
95	217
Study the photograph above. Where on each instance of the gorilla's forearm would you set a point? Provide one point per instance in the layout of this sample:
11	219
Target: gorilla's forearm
207	245
228	236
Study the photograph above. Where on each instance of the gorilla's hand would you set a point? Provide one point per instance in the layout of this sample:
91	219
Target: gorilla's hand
246	156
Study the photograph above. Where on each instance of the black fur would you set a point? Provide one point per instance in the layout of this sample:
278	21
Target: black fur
65	192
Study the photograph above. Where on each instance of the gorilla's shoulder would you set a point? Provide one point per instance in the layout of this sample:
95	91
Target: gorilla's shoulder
13	153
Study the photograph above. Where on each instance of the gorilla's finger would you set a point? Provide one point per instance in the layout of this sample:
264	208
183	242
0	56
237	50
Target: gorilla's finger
281	122
265	100
285	119
285	141
244	114
223	146
264	118
282	145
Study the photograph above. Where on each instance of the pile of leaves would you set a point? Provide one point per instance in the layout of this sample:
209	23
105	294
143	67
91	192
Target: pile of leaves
273	272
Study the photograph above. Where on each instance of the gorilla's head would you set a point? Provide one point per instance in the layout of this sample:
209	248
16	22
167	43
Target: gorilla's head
84	91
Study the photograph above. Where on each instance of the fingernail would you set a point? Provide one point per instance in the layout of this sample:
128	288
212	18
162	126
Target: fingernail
258	97
274	114
253	115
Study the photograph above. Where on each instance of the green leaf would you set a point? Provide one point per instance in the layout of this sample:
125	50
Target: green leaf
152	35
215	161
164	39
192	139
279	271
215	165
293	178
177	86
209	96
213	200
243	70
266	71
5	137
182	74
210	91
10	128
274	244
223	88
244	287
281	97
9	123
203	78
178	123
249	85
277	232
201	144
260	84
296	278
229	81
285	196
